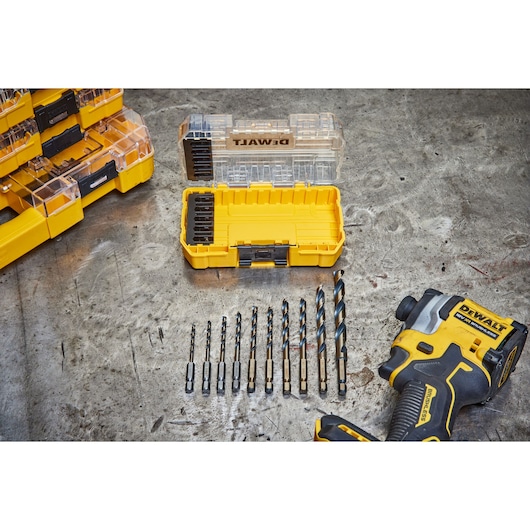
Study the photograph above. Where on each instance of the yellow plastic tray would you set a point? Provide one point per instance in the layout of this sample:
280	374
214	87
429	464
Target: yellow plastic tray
262	226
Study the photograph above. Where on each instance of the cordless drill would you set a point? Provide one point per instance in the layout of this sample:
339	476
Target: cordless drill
450	352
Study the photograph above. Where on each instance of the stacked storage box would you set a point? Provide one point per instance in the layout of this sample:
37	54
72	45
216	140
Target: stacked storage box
61	150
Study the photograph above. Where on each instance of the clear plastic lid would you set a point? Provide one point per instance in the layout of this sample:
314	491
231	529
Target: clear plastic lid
305	148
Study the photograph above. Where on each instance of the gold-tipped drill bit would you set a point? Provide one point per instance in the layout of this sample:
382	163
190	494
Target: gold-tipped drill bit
251	387
303	344
207	365
321	341
269	367
221	367
190	368
236	365
285	349
340	331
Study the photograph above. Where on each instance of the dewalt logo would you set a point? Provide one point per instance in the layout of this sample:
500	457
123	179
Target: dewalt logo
480	321
262	141
482	318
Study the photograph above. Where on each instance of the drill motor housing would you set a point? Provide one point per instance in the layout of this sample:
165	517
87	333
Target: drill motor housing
450	352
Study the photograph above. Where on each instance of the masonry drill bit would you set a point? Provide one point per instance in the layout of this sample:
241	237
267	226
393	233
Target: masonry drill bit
321	341
207	365
285	349
303	344
269	368
251	387
190	368
340	331
236	365
221	367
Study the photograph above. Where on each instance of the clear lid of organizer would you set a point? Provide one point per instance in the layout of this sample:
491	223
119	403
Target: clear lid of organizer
9	97
305	148
17	138
95	97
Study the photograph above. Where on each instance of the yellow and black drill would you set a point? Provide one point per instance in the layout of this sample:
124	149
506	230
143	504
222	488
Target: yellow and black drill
450	352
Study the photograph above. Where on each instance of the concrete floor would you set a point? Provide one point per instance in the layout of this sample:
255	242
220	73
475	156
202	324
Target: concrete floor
435	193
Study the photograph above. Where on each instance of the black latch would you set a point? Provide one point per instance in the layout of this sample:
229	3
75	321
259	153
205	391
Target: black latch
93	181
47	116
249	254
60	142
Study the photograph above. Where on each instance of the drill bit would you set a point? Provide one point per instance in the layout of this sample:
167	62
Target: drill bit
251	387
207	365
285	349
221	367
236	365
190	368
321	341
340	331
303	356
268	363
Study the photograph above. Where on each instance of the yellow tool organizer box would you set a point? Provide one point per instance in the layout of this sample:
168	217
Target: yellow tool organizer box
72	147
272	202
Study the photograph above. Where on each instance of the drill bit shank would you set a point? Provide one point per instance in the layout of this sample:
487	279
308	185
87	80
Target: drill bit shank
321	341
340	331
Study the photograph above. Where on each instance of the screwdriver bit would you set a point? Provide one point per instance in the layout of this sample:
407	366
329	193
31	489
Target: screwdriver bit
236	365
340	331
190	368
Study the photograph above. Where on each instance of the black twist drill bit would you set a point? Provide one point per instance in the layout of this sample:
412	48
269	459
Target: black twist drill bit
251	387
207	365
221	367
236	365
285	349
321	341
190	368
340	331
303	344
269	368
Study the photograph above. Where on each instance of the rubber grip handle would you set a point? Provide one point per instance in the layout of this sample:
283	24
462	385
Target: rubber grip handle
419	415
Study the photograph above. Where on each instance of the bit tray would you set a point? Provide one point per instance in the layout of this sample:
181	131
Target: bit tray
271	203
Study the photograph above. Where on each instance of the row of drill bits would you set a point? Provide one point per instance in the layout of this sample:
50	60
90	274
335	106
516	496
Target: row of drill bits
340	348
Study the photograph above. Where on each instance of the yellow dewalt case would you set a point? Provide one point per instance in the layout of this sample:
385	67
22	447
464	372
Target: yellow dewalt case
266	197
47	195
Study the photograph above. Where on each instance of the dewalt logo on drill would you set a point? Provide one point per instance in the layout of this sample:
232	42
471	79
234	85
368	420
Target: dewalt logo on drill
480	321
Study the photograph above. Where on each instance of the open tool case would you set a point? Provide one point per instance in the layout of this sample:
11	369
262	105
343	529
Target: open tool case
266	198
61	150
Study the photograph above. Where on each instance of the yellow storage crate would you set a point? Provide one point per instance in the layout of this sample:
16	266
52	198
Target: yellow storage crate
48	195
272	202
